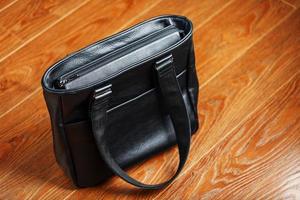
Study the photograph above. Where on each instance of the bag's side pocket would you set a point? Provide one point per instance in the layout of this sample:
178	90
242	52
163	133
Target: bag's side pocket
61	145
89	167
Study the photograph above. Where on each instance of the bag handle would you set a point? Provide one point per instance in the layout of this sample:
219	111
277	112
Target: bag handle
175	106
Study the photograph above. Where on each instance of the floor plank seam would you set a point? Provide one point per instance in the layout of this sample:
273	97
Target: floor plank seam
289	4
245	50
44	30
137	16
242	121
188	168
31	39
196	28
202	160
39	88
213	15
239	55
20	102
8	5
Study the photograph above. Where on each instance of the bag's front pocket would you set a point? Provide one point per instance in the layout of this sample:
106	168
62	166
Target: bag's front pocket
134	130
138	129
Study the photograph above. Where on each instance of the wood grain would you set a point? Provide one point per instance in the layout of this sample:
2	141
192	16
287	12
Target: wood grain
231	96
8	41
243	86
197	11
74	33
294	3
248	105
25	124
6	3
234	31
68	35
251	163
30	17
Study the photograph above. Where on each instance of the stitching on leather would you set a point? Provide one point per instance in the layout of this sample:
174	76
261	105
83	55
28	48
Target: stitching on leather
178	44
69	154
141	95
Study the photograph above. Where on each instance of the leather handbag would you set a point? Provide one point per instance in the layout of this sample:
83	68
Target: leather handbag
124	99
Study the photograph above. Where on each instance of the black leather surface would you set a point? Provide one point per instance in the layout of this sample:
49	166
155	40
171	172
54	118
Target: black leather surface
137	123
116	61
174	107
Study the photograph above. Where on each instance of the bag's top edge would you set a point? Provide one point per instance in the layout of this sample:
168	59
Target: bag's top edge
58	64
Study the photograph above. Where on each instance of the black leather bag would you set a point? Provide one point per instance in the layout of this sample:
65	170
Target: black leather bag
123	99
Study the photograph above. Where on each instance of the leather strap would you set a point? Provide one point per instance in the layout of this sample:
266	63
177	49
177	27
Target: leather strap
175	106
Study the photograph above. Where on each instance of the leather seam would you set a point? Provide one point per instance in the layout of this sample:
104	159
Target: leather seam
69	154
120	34
166	51
135	98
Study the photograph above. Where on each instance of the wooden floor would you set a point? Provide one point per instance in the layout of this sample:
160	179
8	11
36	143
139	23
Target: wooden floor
248	61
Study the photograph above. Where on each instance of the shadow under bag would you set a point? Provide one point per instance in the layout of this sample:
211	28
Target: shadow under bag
124	99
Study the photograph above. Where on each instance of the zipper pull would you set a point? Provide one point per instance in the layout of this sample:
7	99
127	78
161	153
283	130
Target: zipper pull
60	83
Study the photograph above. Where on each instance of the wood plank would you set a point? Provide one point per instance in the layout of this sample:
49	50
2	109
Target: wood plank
259	160
70	34
241	88
30	17
80	37
6	3
26	123
198	12
27	134
36	127
233	31
26	154
294	3
29	64
34	130
224	102
6	37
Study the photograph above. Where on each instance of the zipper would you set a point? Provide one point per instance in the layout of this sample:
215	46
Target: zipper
84	69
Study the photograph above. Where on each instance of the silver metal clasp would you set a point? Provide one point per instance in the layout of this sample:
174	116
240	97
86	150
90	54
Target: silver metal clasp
102	92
